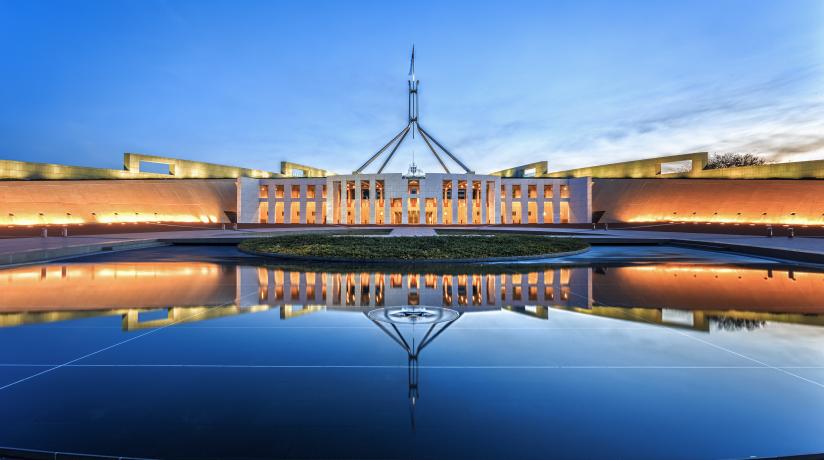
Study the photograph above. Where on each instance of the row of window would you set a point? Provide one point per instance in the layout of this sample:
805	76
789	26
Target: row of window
311	192
532	191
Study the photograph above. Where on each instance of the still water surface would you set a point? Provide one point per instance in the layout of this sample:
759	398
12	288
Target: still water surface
622	352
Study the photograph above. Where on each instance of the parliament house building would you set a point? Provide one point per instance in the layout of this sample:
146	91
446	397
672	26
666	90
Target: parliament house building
676	188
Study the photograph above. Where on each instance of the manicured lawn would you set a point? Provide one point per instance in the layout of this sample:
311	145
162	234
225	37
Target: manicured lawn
411	248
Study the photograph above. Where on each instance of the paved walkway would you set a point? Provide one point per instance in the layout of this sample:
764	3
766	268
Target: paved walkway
28	250
413	231
34	249
805	244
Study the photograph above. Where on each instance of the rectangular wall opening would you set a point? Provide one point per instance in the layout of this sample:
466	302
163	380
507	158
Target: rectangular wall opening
156	168
310	212
548	217
676	167
564	212
516	213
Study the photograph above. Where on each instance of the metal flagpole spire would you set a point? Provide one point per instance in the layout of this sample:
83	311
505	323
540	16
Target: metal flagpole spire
413	92
413	125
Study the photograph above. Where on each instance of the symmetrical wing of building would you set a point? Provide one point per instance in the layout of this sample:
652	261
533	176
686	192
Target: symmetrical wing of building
670	188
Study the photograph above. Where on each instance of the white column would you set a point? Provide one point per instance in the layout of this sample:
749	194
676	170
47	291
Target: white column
330	202
385	284
454	201
357	200
387	203
372	201
404	204
524	206
556	201
302	287
470	209
454	287
302	217
496	204
372	293
342	207
524	289
319	204
405	287
287	288
287	203
439	204
270	200
540	201
330	284
483	201
357	282
508	214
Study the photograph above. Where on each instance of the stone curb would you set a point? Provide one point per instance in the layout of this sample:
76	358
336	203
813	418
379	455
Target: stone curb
39	255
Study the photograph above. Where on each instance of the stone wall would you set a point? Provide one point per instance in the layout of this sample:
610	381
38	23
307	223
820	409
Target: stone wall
113	201
709	200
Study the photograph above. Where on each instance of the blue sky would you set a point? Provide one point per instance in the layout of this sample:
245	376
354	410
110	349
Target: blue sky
323	83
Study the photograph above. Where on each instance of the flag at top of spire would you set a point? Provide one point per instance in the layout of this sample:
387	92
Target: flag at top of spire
412	65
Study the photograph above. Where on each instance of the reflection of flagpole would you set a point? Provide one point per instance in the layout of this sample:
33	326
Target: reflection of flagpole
412	359
412	366
412	347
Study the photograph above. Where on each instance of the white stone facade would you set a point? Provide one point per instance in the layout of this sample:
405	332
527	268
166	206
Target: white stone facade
435	199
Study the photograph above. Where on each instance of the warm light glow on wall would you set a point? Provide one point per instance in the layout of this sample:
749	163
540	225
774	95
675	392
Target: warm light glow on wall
138	218
728	219
119	218
39	220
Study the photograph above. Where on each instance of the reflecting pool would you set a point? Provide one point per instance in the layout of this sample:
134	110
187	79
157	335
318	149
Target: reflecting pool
621	352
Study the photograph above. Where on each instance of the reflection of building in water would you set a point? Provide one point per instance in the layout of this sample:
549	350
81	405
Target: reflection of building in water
115	285
206	290
678	295
694	287
135	319
559	286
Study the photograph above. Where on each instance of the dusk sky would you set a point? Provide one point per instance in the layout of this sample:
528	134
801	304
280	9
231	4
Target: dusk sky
324	83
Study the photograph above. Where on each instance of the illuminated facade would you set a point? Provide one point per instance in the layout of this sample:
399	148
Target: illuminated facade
376	199
436	199
674	188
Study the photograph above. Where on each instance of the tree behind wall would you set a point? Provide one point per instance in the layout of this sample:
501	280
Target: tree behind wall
730	160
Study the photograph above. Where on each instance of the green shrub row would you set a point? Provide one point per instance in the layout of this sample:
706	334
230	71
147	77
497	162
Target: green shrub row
411	248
